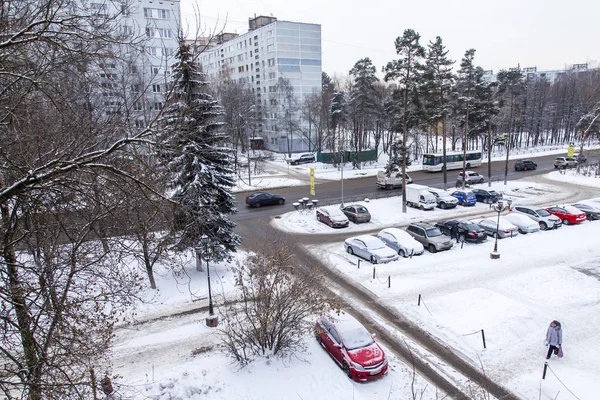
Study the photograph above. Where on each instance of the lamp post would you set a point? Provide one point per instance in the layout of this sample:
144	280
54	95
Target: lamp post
212	320
499	207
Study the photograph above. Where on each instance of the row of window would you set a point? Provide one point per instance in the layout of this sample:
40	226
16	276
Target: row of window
160	51
158	32
156	13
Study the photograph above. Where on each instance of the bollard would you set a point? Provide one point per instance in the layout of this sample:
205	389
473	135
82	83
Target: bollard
358	264
483	337
389	281
545	368
462	244
419	302
373	272
411	253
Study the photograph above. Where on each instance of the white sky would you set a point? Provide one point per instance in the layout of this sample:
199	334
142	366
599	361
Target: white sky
548	34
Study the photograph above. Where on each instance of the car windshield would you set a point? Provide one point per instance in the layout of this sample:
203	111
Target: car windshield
542	213
433	232
357	338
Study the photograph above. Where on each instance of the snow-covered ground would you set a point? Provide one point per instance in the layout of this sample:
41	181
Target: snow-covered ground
539	277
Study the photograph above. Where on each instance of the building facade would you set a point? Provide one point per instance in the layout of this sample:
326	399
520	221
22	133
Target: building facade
280	62
551	76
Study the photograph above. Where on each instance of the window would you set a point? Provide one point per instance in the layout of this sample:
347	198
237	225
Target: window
164	33
139	123
270	48
271	62
156	13
158	106
156	88
272	89
133	69
137	106
154	70
241	69
135	88
272	75
149	32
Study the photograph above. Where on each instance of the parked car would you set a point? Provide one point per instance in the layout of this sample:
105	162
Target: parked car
568	214
565	162
544	219
302	159
590	208
260	199
468	231
487	196
370	248
492	227
357	213
524	165
581	158
429	236
523	222
443	198
332	216
352	347
401	242
471	177
465	198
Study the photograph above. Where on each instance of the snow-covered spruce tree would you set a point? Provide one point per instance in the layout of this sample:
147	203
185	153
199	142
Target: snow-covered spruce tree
192	150
276	308
406	71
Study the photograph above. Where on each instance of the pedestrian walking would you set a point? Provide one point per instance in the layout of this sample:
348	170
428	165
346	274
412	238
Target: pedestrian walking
553	338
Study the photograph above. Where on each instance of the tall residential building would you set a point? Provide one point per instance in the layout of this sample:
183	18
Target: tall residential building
135	82
272	58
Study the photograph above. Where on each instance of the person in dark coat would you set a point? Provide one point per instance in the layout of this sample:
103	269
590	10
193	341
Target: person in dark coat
454	232
553	338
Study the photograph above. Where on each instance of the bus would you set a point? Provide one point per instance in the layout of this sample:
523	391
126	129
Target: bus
435	162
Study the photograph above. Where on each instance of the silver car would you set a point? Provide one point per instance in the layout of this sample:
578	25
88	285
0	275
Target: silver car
443	198
544	219
401	242
370	248
503	230
524	223
429	236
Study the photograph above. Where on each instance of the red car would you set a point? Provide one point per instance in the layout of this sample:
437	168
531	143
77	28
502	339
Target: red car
568	214
352	347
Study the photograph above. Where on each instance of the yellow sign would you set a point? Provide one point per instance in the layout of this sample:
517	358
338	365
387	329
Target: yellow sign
312	181
571	150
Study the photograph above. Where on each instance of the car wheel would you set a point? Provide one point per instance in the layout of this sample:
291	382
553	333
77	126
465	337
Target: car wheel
319	218
432	248
257	205
442	205
543	226
535	167
355	220
347	371
566	222
331	224
422	208
401	253
281	201
494	234
373	260
349	250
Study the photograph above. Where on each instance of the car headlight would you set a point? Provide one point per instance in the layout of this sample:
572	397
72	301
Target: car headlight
358	367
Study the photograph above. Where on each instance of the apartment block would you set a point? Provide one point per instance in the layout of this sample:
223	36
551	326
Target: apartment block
272	57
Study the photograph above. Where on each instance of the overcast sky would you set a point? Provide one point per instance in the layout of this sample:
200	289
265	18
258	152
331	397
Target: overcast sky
549	34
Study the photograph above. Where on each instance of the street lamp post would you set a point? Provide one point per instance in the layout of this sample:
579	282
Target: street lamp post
212	320
499	207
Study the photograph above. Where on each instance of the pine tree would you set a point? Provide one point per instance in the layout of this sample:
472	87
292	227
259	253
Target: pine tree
337	114
439	79
406	71
469	81
363	99
198	163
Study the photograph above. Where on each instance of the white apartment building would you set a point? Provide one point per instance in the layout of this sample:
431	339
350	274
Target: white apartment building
549	75
272	51
139	82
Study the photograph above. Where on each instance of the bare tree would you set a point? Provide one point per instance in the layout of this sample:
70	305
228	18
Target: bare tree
276	307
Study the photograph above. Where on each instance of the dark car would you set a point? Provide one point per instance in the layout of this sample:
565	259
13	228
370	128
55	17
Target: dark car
332	216
524	165
590	208
302	159
357	213
429	236
260	199
467	231
487	196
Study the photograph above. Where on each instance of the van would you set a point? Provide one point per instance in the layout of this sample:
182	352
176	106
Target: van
391	181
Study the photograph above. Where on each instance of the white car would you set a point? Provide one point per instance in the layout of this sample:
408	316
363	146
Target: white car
491	226
472	177
370	248
539	215
523	222
399	240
